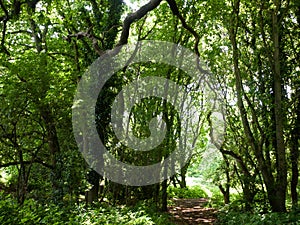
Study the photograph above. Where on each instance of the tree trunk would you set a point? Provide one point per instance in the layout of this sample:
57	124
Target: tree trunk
22	181
278	201
92	194
164	196
183	172
295	152
226	193
54	148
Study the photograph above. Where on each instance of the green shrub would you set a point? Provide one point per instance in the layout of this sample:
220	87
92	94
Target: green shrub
217	200
190	192
238	218
31	212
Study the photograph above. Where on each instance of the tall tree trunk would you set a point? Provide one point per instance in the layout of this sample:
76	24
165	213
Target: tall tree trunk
278	201
295	151
276	195
22	181
54	148
296	135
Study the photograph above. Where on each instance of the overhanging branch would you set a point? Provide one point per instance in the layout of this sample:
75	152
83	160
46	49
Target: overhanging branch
175	11
15	163
87	34
134	17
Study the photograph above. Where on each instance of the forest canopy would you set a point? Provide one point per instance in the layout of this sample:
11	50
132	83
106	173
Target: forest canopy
251	50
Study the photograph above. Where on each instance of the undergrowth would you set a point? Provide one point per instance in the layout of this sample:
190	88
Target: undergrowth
188	192
238	218
31	212
235	213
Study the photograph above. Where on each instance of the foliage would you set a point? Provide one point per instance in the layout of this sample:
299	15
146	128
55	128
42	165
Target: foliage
188	192
233	217
252	49
235	213
31	212
216	200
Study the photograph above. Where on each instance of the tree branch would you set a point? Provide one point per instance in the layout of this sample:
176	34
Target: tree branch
21	31
93	38
5	11
238	159
175	11
3	38
134	17
27	163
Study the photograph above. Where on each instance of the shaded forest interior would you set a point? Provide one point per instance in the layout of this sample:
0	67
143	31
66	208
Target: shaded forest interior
244	168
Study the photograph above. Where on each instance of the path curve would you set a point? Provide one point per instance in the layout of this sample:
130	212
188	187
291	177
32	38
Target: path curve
192	211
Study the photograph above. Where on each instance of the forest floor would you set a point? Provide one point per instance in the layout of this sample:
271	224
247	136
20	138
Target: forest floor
192	211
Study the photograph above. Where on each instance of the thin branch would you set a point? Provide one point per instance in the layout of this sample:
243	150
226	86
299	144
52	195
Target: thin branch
26	163
93	38
5	11
263	33
3	38
175	11
21	31
4	19
238	159
36	35
254	114
148	32
60	53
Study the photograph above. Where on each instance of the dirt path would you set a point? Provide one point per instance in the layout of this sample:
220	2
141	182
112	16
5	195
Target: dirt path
192	211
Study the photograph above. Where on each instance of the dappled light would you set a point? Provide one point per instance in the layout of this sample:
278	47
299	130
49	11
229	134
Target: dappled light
149	112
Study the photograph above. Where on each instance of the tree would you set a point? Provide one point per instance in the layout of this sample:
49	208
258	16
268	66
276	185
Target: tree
251	49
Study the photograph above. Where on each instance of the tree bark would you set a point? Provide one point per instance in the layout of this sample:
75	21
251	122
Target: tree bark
134	17
295	152
278	201
164	196
54	148
276	189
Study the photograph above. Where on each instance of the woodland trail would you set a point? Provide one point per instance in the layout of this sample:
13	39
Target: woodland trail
192	211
